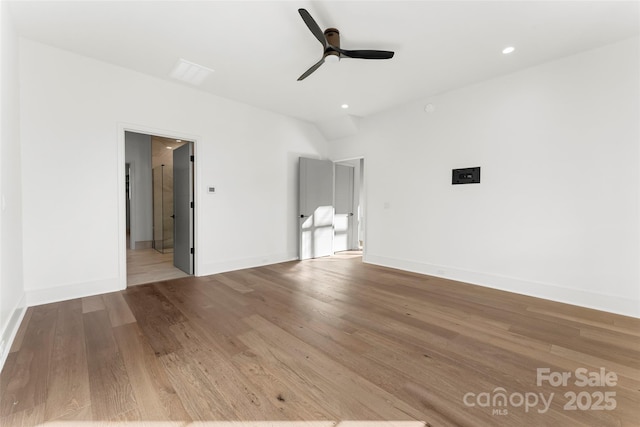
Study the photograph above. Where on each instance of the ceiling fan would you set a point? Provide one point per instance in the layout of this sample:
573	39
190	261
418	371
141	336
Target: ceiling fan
330	40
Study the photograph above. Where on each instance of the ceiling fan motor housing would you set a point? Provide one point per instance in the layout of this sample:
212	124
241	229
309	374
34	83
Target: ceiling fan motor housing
333	38
330	41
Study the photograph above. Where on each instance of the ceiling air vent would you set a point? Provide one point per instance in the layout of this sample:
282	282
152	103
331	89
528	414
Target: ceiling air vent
189	72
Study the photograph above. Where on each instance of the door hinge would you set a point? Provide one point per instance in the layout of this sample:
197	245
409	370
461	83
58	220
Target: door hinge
191	204
191	158
192	251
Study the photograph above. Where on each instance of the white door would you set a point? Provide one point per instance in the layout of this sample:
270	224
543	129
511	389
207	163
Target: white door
316	208
344	215
183	208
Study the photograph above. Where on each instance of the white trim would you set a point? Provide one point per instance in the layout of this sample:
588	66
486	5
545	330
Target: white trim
11	329
595	300
71	291
122	210
122	219
365	206
365	196
242	263
348	159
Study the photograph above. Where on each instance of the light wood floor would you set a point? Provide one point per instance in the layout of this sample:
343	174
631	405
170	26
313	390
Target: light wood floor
329	341
149	265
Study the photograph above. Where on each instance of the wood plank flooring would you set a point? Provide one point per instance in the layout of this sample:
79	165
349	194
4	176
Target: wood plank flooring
149	265
319	343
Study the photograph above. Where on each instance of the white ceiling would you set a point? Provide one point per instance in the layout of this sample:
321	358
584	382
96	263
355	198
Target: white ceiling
259	48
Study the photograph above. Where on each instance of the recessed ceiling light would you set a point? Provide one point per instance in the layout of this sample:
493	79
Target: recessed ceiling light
345	106
508	50
168	148
178	140
190	72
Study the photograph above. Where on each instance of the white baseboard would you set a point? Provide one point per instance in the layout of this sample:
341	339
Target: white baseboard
239	264
598	301
72	291
11	329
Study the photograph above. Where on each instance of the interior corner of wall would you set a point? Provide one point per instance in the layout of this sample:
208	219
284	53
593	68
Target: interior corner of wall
10	329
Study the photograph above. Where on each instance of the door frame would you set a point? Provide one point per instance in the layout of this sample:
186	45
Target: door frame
363	192
121	192
351	216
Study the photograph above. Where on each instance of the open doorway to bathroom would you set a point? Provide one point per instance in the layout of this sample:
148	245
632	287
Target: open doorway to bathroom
159	208
349	215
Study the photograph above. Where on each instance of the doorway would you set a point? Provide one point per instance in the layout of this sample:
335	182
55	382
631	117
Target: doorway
331	207
349	205
160	208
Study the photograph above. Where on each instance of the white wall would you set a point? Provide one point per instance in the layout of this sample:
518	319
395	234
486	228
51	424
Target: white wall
74	112
12	301
557	212
138	156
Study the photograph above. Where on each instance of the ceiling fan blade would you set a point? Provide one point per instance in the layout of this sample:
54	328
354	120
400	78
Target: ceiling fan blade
313	26
366	54
311	70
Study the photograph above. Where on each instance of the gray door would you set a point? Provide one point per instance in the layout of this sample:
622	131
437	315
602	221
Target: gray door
344	216
183	207
316	208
